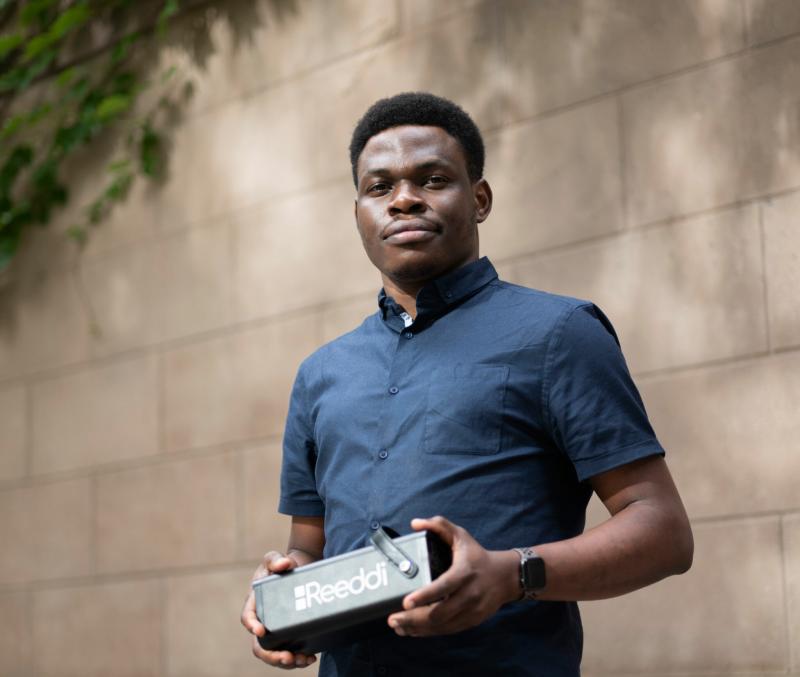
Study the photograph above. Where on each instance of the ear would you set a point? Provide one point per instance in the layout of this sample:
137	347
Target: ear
482	192
355	210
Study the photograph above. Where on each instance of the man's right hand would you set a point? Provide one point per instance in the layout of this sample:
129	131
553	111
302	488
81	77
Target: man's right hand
274	563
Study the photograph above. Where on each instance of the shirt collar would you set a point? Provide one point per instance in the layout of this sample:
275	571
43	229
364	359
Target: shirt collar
439	296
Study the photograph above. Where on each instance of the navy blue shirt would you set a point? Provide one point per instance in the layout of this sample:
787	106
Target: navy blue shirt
492	408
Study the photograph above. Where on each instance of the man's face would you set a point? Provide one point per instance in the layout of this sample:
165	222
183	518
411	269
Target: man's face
416	208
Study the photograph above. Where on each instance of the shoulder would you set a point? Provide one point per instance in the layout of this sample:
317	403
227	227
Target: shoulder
311	367
555	314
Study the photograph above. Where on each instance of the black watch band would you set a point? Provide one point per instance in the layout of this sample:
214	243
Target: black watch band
531	573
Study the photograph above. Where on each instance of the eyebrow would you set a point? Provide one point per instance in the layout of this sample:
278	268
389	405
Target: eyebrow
428	164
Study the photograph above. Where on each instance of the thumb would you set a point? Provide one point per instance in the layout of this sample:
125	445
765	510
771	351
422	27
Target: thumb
439	525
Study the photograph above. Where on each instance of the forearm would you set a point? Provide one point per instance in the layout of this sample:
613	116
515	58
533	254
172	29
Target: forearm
639	545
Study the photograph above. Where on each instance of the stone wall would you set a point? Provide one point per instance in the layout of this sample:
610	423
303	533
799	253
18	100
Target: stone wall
643	153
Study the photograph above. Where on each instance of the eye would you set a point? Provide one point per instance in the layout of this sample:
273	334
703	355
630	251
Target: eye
436	180
378	187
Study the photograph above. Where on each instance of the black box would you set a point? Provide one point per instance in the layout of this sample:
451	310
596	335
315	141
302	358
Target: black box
346	598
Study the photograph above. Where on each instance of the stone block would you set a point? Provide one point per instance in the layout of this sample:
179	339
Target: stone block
782	269
678	294
791	552
725	615
14	438
252	46
300	251
561	52
95	416
417	14
235	387
682	143
264	528
238	155
122	290
16	641
771	134
173	514
771	19
343	317
45	323
204	637
731	434
46	530
714	136
99	630
555	181
195	281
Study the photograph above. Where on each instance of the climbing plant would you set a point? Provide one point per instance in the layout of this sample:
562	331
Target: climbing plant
69	72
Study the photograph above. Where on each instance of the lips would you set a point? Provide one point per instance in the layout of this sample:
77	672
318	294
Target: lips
408	226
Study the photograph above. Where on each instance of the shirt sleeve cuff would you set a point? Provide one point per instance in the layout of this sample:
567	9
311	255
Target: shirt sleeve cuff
313	508
589	467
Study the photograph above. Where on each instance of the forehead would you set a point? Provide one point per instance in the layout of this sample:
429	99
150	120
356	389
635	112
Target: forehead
408	144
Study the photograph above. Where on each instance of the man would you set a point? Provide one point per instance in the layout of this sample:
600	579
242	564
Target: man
498	408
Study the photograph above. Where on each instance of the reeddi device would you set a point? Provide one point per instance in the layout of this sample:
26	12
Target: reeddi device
346	598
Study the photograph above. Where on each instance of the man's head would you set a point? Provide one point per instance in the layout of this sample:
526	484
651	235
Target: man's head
417	164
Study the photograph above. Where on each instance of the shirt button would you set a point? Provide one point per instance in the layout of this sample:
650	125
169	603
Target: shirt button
408	334
448	294
394	390
375	526
381	670
383	454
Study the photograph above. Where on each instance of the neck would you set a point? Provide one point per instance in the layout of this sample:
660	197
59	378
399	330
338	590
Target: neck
404	293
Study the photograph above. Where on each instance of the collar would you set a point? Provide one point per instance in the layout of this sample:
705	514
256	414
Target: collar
441	295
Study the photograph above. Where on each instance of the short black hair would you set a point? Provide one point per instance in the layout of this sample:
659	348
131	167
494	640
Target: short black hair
420	108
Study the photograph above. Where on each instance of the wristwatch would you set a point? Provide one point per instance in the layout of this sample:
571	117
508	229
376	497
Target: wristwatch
531	573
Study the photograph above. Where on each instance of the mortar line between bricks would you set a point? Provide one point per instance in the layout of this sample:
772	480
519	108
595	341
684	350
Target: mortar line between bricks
744	359
623	175
163	657
132	576
762	236
785	594
737	517
114	467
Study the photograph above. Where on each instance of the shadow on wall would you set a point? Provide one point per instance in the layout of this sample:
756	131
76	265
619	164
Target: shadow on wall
191	41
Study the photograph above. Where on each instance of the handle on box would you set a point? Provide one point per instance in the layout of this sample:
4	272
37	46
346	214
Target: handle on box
388	548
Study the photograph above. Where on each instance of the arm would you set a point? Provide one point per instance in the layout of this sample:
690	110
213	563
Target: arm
647	538
306	541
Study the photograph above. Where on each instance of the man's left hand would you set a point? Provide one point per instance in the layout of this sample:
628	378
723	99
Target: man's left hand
476	585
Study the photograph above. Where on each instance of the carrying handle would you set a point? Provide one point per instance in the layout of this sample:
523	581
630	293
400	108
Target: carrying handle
388	548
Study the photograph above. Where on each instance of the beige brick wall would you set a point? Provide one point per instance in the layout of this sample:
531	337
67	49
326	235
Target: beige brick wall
645	155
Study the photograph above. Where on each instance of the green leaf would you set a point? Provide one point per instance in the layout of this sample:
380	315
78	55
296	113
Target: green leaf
66	76
169	10
12	125
78	233
35	10
75	17
9	43
150	148
112	106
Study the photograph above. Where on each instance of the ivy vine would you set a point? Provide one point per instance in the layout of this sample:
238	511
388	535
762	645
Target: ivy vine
59	91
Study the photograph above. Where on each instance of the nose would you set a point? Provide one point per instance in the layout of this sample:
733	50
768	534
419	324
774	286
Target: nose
406	199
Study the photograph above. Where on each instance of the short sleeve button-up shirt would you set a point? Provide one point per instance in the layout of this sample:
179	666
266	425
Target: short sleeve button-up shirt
492	408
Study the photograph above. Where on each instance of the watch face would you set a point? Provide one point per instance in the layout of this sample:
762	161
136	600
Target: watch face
533	573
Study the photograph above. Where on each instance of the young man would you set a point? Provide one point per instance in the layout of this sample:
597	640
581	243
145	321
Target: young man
498	408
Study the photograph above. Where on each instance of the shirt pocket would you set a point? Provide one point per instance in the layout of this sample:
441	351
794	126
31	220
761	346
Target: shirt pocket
464	413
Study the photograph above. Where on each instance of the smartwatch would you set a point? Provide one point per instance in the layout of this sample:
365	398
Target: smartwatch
531	573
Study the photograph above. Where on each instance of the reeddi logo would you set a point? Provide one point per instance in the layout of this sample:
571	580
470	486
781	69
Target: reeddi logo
312	592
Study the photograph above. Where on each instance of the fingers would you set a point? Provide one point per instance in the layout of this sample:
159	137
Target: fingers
439	525
444	586
441	618
249	619
272	563
277	562
282	659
